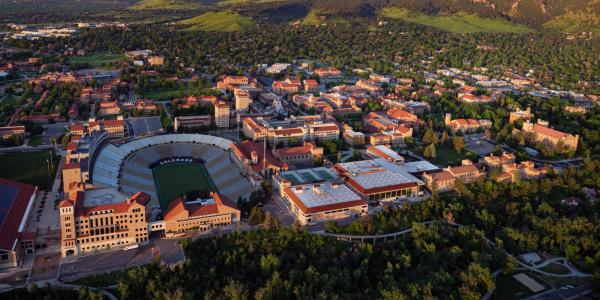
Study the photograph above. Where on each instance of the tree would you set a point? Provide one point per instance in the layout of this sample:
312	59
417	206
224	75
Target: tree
444	137
256	215
459	143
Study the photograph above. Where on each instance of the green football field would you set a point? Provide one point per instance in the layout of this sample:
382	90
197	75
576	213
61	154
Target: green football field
26	167
174	180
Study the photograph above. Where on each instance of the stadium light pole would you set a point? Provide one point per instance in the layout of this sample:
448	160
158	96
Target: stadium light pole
48	163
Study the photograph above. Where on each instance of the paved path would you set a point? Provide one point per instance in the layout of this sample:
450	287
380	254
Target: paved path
573	272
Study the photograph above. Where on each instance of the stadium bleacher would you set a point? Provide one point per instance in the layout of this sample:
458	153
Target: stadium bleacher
126	167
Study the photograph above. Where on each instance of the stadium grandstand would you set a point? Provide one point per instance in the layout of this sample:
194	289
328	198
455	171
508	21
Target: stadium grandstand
127	167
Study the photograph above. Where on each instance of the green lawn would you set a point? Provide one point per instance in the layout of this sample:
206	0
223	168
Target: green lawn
446	155
176	179
459	23
98	59
163	4
509	288
102	280
555	269
35	140
218	21
165	94
26	167
314	18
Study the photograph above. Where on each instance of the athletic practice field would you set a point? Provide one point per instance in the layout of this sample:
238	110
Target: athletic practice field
176	179
26	167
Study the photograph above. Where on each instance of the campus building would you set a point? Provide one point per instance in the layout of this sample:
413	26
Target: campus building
16	202
305	154
444	180
379	179
255	160
242	100
182	217
114	128
222	114
101	218
9	131
191	122
542	133
289	131
319	202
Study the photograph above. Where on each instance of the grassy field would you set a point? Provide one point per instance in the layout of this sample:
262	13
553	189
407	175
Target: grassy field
313	18
446	155
163	4
166	94
98	59
575	21
218	21
102	280
509	288
459	23
35	140
26	167
174	180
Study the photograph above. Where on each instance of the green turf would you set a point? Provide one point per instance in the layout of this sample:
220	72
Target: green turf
35	140
509	288
308	176
98	59
174	180
102	280
459	23
314	18
165	94
292	178
163	4
218	21
324	175
26	167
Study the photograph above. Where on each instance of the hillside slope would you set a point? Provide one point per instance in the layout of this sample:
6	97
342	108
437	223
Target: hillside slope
218	21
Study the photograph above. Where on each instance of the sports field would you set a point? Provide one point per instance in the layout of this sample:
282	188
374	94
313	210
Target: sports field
176	179
26	167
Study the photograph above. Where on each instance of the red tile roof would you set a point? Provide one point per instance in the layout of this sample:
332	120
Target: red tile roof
15	213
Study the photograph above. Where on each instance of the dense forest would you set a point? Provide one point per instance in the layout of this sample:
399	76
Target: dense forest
526	216
283	264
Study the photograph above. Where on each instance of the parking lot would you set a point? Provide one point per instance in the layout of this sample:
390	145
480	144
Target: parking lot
143	126
477	144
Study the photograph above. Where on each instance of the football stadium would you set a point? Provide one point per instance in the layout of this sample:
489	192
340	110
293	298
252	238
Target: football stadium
168	166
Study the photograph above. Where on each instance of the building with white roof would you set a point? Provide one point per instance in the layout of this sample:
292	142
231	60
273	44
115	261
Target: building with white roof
319	202
380	179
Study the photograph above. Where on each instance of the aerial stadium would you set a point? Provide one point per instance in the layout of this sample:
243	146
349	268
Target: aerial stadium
168	166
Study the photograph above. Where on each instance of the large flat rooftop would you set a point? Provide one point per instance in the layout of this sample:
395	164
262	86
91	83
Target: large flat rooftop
325	194
378	173
103	196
